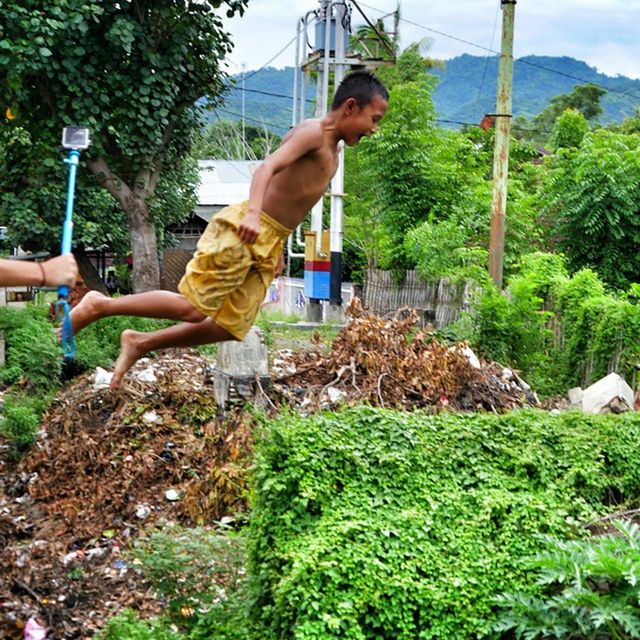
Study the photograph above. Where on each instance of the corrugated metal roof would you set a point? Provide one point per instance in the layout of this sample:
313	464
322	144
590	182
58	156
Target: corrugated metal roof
224	182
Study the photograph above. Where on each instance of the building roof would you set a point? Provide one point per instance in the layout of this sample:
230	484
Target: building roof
224	182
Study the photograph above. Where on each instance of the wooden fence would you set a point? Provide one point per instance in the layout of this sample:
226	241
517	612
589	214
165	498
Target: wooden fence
439	303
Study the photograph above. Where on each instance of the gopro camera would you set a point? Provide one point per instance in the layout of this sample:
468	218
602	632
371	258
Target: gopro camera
75	138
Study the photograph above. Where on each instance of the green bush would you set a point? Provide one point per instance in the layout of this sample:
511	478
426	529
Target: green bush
560	331
19	424
127	625
32	352
376	525
589	587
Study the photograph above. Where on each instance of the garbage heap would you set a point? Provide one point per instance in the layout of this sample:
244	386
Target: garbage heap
390	362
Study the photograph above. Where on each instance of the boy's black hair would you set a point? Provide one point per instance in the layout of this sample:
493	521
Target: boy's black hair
360	85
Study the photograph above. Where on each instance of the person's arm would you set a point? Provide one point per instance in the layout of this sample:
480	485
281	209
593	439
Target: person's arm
300	143
52	273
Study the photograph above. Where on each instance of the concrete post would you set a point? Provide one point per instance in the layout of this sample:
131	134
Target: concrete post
501	151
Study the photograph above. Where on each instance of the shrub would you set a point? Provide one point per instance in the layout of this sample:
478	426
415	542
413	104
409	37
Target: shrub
31	349
589	590
19	424
127	625
371	524
560	331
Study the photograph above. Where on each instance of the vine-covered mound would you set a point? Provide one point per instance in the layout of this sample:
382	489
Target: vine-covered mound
377	524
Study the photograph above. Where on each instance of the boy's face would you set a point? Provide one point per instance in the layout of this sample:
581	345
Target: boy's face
362	121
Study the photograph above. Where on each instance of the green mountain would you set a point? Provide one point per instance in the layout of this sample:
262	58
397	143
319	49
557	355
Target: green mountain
468	87
466	91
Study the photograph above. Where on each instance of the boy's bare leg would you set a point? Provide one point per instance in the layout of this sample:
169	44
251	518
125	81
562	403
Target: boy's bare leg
151	304
135	344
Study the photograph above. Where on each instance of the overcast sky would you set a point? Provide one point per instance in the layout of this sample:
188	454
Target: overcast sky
603	33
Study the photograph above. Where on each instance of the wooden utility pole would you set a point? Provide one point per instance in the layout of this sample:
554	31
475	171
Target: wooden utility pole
501	150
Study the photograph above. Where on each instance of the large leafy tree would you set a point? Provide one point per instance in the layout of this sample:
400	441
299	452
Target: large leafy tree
591	197
132	72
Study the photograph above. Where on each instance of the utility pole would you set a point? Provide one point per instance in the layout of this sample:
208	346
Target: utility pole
501	150
337	183
244	140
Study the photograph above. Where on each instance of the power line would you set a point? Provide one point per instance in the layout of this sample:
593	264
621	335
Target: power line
268	62
486	63
262	122
533	64
267	93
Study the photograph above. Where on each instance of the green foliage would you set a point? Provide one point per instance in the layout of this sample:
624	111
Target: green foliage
569	130
223	140
371	524
127	625
591	197
560	331
32	353
589	590
131	72
200	574
19	424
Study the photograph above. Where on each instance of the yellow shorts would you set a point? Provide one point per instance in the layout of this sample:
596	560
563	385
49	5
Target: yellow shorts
227	279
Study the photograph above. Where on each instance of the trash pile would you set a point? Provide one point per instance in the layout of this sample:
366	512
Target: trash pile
392	363
107	466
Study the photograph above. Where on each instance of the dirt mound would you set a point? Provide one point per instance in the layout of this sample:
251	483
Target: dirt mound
107	466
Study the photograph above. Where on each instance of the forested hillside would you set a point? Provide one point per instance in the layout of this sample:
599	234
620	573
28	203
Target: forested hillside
466	91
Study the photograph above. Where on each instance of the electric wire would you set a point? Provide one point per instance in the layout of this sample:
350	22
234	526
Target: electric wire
268	62
261	122
486	62
521	60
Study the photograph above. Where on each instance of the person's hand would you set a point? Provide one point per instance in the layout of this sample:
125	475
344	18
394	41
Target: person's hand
249	227
279	266
62	270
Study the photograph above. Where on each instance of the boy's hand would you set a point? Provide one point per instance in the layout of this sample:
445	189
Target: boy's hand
249	227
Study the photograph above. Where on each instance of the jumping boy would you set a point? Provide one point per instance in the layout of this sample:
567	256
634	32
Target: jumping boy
241	249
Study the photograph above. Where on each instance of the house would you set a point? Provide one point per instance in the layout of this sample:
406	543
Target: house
222	182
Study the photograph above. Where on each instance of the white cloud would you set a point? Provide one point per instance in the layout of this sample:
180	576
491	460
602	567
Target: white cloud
603	33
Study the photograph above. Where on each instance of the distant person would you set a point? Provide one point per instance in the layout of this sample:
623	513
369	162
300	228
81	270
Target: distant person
240	251
51	273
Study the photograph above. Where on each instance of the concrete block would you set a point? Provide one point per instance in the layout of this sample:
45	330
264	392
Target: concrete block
610	394
244	359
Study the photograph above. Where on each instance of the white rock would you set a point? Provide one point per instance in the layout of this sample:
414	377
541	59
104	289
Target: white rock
101	378
172	495
151	417
335	394
575	396
147	375
607	390
143	511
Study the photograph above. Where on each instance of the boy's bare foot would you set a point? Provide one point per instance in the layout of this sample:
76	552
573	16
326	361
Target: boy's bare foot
130	351
87	310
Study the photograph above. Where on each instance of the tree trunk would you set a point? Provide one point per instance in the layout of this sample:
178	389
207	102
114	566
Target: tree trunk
144	246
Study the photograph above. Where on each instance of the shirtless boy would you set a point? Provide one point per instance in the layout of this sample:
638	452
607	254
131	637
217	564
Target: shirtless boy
242	247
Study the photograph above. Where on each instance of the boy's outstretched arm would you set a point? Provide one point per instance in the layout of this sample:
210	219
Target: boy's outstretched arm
294	147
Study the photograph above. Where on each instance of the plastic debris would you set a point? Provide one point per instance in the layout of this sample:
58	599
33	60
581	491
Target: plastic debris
172	495
147	375
102	378
33	630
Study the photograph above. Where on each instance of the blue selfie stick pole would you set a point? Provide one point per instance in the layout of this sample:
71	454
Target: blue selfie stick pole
68	344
